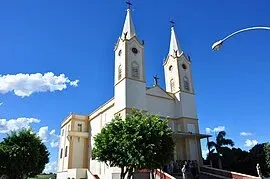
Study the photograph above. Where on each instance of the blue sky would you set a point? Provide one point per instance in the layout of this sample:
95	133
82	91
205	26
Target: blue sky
76	38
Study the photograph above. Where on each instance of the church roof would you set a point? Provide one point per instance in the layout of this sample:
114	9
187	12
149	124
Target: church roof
128	29
158	92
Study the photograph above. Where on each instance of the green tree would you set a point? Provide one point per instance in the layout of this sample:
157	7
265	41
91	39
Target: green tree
218	145
141	141
267	156
26	154
3	157
260	154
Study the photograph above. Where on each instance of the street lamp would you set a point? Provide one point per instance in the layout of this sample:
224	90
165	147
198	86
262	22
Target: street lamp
218	44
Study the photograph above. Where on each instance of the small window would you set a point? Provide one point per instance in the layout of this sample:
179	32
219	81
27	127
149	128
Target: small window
135	70
69	127
66	150
191	128
184	66
80	127
172	85
79	139
62	132
61	153
171	68
179	128
119	72
186	84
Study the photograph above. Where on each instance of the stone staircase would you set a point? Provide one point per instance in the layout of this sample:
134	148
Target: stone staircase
213	173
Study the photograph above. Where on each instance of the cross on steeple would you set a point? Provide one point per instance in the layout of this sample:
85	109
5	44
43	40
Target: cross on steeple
172	22
129	4
156	78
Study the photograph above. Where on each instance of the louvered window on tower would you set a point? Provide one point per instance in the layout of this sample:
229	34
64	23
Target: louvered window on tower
135	70
119	72
172	85
186	83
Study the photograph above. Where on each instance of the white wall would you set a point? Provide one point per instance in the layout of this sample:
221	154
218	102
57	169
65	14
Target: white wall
188	105
187	72
138	58
119	60
63	162
119	95
61	175
173	74
96	125
135	94
161	106
78	152
130	93
193	150
191	128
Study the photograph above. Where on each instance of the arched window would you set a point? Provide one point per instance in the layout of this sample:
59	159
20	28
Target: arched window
134	70
172	85
119	72
186	83
66	151
61	153
79	127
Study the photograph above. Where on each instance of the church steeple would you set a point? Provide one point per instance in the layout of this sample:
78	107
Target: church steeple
175	49
177	68
129	68
128	29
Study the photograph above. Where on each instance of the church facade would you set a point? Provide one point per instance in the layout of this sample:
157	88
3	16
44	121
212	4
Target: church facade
176	103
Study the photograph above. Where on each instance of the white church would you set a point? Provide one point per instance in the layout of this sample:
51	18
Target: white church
176	103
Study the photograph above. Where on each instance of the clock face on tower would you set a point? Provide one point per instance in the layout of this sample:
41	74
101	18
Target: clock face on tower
134	50
184	66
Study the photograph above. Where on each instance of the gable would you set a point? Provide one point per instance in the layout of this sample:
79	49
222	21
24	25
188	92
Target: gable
159	92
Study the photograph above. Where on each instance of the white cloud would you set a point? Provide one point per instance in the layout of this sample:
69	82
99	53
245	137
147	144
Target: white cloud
16	124
74	83
48	136
250	143
52	132
54	144
43	133
51	167
215	130
207	130
1	103
219	128
26	84
245	134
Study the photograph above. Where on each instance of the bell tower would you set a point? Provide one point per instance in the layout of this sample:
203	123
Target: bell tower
178	78
129	77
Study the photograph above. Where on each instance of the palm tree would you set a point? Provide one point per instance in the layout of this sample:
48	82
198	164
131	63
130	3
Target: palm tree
221	141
